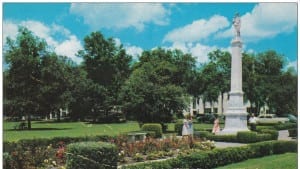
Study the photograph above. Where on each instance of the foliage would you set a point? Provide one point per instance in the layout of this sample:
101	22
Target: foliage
56	81
219	157
35	156
91	155
157	87
153	127
246	137
293	132
285	126
23	78
178	127
274	133
107	65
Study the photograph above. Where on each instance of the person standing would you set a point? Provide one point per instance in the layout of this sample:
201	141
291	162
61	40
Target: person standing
185	127
216	127
252	122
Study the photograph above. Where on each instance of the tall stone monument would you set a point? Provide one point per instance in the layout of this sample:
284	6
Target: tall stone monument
236	115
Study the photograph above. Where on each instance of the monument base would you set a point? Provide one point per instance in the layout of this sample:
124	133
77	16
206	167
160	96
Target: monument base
235	121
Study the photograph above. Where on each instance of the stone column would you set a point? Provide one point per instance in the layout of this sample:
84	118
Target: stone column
201	106
236	115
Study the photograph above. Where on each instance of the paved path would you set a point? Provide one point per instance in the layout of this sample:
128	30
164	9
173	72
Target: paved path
227	144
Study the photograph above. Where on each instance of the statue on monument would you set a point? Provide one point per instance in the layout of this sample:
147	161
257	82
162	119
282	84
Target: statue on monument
237	24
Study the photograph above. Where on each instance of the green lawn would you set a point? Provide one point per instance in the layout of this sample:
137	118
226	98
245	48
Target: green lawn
282	161
74	129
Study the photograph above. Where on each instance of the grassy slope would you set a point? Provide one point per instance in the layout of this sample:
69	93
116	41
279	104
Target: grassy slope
282	161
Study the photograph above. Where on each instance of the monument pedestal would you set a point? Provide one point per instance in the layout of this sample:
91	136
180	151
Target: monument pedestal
236	114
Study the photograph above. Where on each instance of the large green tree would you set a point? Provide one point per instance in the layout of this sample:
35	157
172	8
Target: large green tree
155	91
55	79
23	57
107	65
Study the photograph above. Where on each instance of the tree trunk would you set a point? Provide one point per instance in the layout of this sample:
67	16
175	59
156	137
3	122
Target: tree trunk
222	107
58	115
29	121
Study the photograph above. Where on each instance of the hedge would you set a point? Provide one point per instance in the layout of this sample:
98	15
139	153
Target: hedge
43	142
274	133
241	137
220	157
285	126
293	132
92	155
178	127
153	127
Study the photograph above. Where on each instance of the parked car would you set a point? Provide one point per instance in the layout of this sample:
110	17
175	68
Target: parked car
292	118
270	119
205	118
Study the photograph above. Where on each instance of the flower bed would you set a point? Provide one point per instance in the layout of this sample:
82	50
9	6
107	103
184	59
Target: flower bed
44	154
152	149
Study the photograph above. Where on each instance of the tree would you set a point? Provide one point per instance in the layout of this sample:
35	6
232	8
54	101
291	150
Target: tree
55	78
24	59
155	91
87	97
107	65
269	69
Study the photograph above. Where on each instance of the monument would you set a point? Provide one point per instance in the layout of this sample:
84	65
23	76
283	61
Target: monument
236	115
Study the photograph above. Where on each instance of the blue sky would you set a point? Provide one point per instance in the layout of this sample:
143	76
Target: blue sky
195	28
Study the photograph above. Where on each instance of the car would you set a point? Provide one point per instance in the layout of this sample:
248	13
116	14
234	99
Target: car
292	118
270	119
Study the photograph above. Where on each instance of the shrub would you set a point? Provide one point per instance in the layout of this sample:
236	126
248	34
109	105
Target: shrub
293	132
201	134
259	128
246	137
226	138
178	127
153	127
219	157
286	126
285	146
91	155
273	133
262	148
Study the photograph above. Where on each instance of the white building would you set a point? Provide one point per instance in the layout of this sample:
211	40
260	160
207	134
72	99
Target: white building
197	106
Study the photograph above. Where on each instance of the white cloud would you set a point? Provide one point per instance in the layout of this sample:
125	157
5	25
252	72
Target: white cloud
293	64
198	30
266	20
9	30
134	51
197	50
69	48
124	15
67	45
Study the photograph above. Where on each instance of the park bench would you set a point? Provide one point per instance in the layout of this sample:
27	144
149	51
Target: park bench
136	136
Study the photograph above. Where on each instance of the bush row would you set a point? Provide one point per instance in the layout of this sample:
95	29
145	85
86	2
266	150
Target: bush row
293	132
44	142
241	137
92	155
220	157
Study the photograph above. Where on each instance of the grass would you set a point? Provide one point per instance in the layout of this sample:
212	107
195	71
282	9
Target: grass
282	161
74	129
71	129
